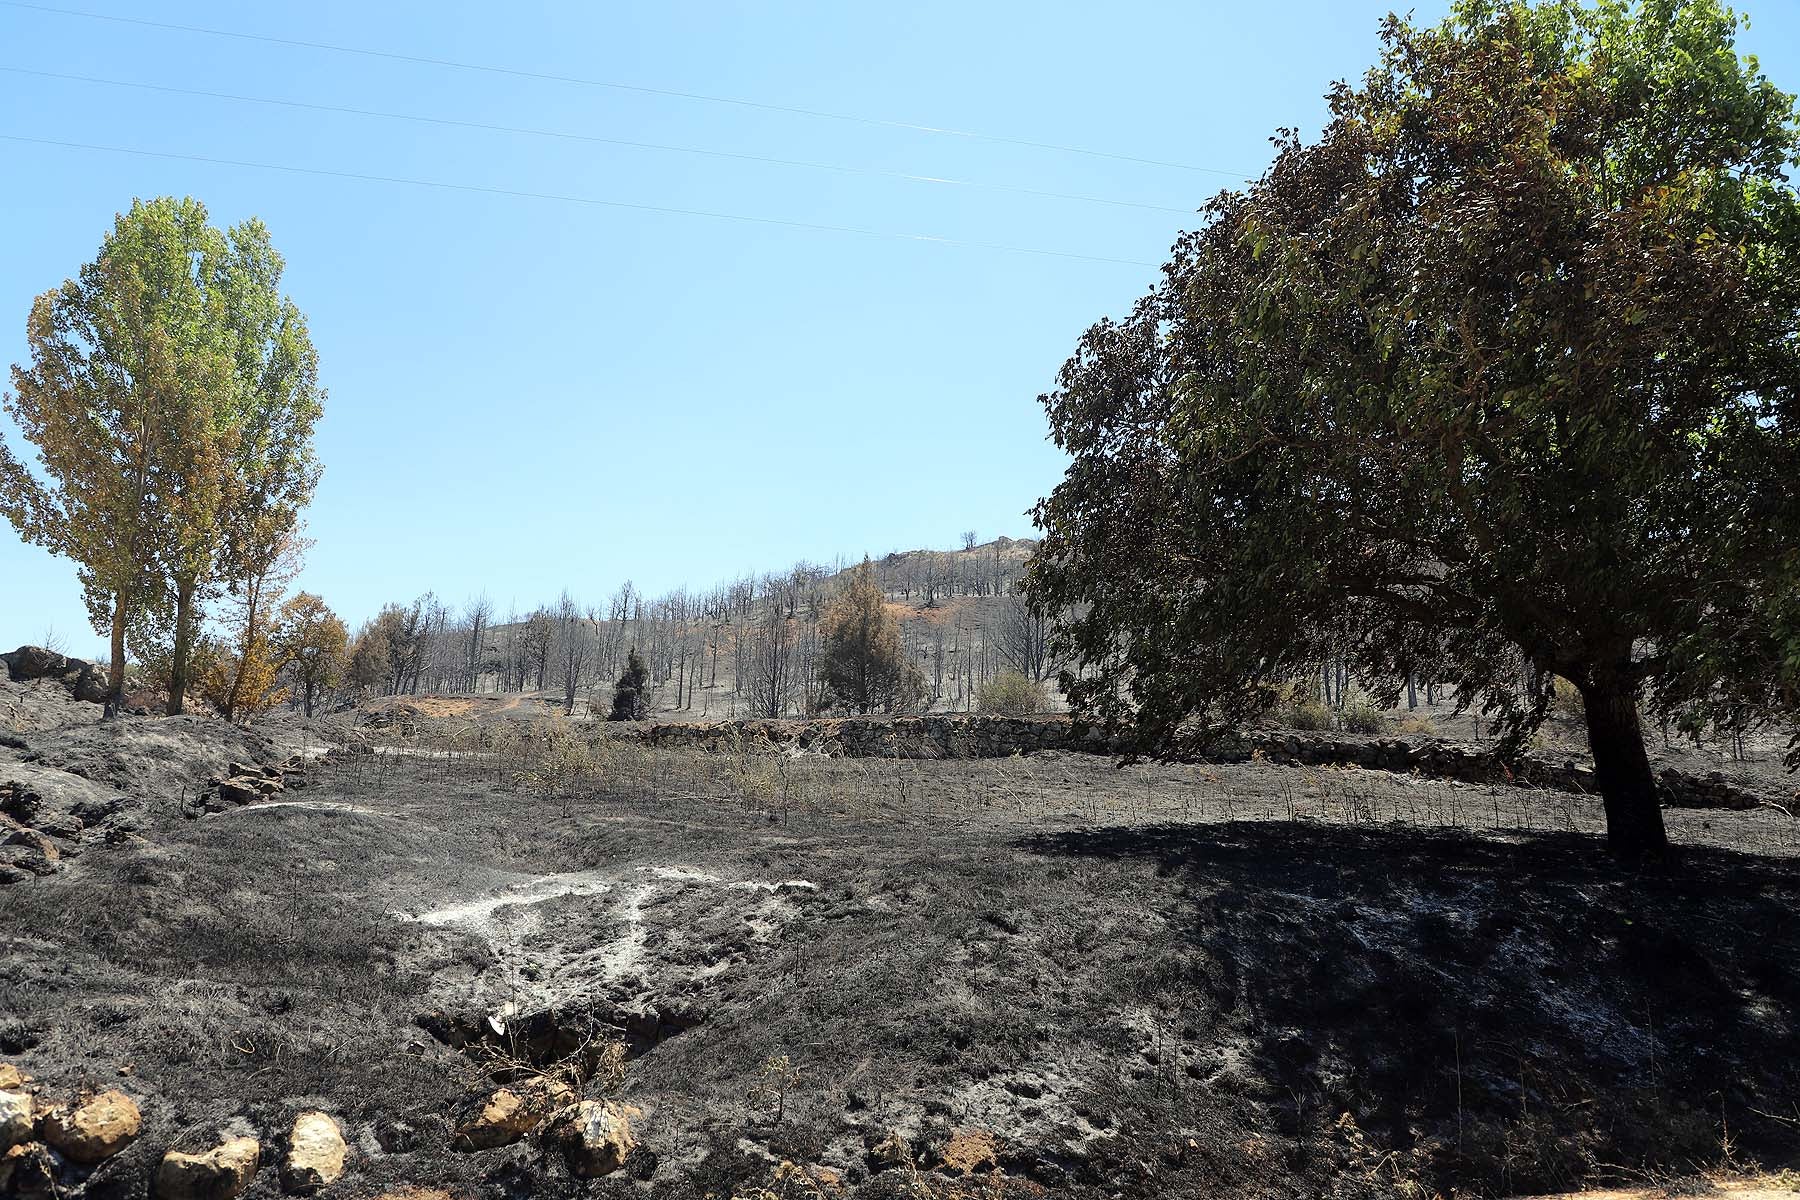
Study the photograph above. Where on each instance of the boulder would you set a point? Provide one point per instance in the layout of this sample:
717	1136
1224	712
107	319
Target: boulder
315	1155
28	1172
217	1174
594	1136
12	1079
94	1129
511	1113
16	1124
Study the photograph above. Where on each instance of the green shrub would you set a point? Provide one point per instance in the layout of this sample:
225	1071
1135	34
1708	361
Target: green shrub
1010	694
1309	716
1361	717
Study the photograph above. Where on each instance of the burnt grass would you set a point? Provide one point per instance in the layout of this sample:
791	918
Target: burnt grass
1153	981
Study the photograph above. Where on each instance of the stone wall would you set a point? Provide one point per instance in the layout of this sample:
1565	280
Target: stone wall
980	736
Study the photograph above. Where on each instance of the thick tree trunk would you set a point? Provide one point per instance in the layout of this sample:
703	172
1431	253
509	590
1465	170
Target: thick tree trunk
115	675
1634	824
183	649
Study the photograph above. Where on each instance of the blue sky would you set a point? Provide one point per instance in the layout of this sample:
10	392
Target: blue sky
528	394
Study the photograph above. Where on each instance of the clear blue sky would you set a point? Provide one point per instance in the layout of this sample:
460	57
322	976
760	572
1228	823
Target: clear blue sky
528	394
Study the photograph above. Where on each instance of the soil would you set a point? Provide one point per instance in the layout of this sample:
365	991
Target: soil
1038	975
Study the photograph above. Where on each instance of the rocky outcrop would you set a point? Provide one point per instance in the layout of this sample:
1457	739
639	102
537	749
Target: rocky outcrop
594	1136
315	1154
94	1128
217	1174
85	680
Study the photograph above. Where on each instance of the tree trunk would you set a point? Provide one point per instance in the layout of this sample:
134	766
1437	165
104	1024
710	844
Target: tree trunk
183	649
1634	823
115	674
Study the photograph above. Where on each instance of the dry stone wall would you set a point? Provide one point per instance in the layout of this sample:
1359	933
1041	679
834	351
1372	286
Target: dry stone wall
980	736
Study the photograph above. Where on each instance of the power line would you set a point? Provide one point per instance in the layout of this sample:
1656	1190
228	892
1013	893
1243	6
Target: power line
594	139
519	73
594	201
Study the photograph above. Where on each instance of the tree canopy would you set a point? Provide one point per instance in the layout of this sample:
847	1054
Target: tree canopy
171	396
1495	381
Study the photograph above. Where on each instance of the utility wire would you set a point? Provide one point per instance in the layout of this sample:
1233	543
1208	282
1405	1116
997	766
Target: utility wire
592	138
519	73
594	201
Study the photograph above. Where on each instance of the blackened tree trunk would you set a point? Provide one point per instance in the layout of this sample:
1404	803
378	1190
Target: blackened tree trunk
1634	824
184	647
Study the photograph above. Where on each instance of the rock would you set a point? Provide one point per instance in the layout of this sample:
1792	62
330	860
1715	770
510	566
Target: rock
95	1129
28	1172
66	826
594	1136
315	1154
970	1151
16	1125
511	1113
28	859
19	803
240	791
37	842
217	1174
12	1079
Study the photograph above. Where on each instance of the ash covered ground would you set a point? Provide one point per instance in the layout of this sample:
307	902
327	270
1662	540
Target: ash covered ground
1041	975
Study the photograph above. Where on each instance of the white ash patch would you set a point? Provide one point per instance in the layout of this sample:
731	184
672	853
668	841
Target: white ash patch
531	891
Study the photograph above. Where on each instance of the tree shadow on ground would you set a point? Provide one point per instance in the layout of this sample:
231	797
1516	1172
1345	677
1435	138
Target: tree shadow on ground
1505	1013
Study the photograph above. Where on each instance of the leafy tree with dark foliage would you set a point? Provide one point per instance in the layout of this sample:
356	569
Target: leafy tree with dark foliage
629	700
1494	382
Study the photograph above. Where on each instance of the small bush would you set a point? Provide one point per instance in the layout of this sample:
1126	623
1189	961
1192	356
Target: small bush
1361	717
1010	694
1308	716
